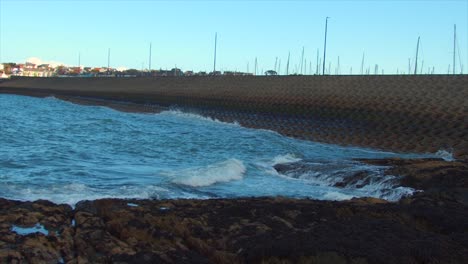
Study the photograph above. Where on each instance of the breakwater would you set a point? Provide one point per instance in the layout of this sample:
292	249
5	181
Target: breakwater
401	113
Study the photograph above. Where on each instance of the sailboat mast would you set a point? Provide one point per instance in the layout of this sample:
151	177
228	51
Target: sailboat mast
216	42
276	63
454	41
325	45
149	60
255	69
362	64
302	60
108	61
416	63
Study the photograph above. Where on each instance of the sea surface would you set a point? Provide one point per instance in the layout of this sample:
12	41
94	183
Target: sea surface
63	152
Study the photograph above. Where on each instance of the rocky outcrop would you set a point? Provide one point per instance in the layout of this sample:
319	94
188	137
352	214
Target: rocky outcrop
435	177
251	230
32	246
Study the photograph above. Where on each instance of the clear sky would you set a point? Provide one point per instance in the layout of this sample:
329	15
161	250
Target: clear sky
182	33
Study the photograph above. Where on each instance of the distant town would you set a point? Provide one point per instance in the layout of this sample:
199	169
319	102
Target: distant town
29	69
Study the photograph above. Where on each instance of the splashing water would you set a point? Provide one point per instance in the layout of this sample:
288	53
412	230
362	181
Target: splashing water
55	150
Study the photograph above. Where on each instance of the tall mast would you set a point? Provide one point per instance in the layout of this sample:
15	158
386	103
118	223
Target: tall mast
149	60
416	62
338	67
287	64
454	41
302	60
276	63
255	66
362	64
108	60
325	45
214	65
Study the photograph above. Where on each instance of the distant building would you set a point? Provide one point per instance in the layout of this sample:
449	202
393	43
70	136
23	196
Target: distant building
30	65
3	75
34	72
74	70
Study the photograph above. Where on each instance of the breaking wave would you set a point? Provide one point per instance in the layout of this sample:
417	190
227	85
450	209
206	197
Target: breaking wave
179	113
445	155
225	171
67	152
356	179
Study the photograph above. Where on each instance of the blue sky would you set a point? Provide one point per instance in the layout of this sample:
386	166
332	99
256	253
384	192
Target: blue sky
182	33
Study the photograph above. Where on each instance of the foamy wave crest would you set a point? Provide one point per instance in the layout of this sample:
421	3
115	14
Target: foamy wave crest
225	171
356	180
282	159
445	155
180	113
337	196
75	192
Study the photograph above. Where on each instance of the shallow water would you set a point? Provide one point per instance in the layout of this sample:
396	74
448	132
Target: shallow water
56	150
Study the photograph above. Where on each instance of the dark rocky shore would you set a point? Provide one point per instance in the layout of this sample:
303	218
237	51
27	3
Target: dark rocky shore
429	227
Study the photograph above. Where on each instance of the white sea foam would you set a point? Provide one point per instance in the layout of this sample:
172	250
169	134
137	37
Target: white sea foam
225	171
282	159
337	196
445	155
75	192
180	113
373	182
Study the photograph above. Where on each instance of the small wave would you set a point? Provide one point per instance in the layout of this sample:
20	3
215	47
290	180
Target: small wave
355	179
282	159
337	196
225	171
180	113
445	155
75	192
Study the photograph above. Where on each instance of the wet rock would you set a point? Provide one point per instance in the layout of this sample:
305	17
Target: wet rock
427	173
269	230
34	247
436	177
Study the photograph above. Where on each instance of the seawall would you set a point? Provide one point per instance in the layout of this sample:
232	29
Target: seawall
409	113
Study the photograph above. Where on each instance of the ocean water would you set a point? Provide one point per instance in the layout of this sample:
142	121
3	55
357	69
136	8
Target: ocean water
63	152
